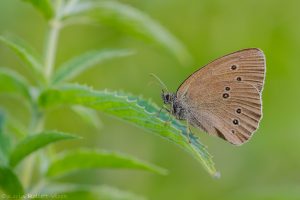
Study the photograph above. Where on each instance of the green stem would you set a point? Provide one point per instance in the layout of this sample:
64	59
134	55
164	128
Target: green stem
69	6
37	122
37	188
51	49
51	42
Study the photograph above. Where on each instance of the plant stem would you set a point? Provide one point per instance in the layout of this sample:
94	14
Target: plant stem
36	126
51	42
51	50
37	117
69	5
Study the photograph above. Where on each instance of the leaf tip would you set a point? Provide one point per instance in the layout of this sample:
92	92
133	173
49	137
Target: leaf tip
217	175
163	171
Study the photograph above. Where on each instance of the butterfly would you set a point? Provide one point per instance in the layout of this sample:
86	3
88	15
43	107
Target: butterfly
223	98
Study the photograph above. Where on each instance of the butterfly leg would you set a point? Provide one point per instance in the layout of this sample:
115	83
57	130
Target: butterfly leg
162	108
168	121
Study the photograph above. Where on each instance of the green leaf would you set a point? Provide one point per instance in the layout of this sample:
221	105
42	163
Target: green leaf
95	159
87	192
34	142
88	115
132	21
44	6
11	82
83	62
135	110
5	141
25	53
15	127
3	144
10	183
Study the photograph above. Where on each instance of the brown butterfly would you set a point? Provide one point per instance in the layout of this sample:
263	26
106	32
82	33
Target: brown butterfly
223	98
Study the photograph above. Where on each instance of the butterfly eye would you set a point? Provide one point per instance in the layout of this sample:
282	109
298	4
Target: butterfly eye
167	97
238	110
225	95
235	122
227	88
233	67
238	78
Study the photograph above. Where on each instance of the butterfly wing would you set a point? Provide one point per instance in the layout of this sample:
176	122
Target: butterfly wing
224	97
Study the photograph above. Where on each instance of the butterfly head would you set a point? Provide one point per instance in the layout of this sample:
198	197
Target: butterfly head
167	97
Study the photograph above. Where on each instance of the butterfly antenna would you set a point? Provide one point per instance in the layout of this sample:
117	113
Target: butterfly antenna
160	82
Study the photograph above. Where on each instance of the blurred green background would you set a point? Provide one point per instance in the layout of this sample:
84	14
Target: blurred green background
267	167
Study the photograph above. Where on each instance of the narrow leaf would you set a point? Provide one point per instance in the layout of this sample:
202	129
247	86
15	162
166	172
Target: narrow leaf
88	115
25	53
15	127
88	192
3	146
11	82
135	22
94	159
10	184
44	6
5	141
134	110
34	142
83	62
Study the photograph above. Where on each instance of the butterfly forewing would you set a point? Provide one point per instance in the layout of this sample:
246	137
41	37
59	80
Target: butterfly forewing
224	97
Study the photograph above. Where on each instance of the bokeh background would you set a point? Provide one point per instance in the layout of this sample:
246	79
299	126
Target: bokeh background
267	167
